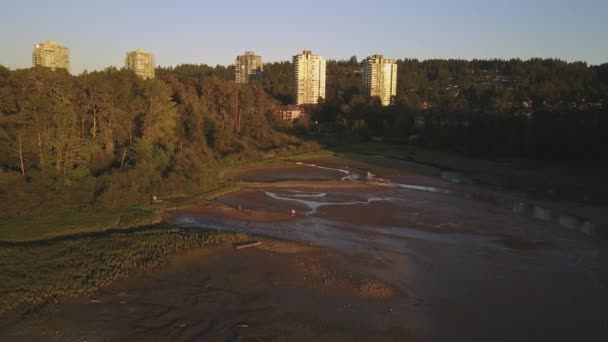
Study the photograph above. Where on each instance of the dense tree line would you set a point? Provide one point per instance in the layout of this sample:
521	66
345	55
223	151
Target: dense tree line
539	108
110	139
490	86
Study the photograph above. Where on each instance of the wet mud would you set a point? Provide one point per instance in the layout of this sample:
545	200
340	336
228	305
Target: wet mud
390	254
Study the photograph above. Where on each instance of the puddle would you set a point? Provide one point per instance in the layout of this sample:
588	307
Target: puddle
455	177
309	195
517	243
416	187
325	168
314	205
516	206
443	237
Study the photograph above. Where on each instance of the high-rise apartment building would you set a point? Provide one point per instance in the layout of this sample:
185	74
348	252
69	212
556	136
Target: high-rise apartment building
140	62
51	55
309	78
380	78
248	67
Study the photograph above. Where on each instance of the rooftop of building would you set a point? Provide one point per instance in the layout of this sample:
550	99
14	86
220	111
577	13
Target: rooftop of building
48	43
380	58
139	51
307	53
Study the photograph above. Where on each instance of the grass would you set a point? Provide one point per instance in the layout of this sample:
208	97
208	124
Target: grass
227	189
75	252
73	221
186	201
52	222
33	274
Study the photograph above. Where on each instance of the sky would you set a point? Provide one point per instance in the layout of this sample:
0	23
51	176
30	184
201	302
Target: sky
99	33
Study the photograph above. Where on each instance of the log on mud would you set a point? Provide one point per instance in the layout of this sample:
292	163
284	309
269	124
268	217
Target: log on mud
246	244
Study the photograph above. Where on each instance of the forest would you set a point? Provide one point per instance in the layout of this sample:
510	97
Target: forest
543	109
107	139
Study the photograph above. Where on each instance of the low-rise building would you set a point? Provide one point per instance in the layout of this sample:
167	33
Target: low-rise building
291	112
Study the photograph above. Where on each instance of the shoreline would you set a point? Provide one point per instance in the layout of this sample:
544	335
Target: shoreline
228	212
397	169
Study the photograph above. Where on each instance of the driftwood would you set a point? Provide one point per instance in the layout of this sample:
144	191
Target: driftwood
246	244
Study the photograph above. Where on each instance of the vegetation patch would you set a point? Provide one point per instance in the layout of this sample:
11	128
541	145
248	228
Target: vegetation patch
73	221
37	273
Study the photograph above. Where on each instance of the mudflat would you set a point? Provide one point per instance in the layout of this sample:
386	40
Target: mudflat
373	252
278	291
477	262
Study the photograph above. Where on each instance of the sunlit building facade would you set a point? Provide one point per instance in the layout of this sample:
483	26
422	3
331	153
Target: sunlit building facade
380	78
141	63
49	54
309	78
248	67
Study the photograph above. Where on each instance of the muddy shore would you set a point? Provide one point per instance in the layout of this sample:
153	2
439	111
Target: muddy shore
374	253
480	263
279	291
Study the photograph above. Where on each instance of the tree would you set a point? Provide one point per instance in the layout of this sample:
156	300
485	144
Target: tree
159	116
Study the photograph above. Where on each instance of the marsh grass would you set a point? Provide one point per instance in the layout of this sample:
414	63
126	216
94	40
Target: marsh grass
33	274
74	221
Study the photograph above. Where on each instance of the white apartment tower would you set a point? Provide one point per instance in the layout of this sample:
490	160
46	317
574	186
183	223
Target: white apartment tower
309	78
140	62
248	67
51	55
380	78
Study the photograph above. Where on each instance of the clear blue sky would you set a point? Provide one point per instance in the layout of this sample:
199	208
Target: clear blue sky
100	32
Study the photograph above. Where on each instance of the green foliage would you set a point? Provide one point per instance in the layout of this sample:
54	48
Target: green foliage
278	80
539	109
109	140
